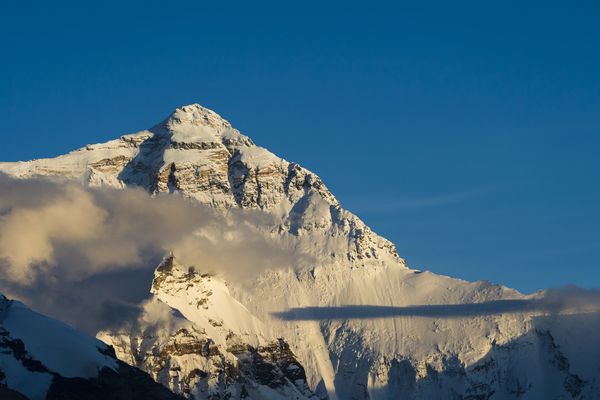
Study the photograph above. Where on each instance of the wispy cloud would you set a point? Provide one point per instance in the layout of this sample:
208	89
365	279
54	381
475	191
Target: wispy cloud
563	249
70	232
557	300
389	205
63	245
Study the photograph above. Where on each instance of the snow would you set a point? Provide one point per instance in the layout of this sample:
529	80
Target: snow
59	347
311	211
75	164
349	266
197	115
34	385
233	134
209	304
188	133
258	157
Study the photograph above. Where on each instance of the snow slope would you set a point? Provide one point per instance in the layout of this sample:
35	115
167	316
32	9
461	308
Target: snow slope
41	358
196	339
361	324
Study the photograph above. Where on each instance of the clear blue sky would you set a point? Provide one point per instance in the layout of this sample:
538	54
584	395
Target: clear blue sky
467	133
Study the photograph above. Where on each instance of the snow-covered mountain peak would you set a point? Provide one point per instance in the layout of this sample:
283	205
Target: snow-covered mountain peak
195	114
200	155
359	322
194	124
197	127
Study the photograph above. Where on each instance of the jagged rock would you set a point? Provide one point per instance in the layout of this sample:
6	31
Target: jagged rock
407	333
201	357
43	359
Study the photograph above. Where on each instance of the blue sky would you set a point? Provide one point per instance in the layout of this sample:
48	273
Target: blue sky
467	133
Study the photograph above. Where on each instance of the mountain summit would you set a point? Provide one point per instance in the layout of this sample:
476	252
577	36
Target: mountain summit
356	323
195	114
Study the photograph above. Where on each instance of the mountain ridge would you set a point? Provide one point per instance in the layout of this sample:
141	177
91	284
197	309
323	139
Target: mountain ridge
44	359
200	155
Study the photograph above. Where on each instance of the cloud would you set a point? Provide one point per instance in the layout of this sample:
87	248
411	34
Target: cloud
379	205
71	232
69	249
28	235
571	298
568	299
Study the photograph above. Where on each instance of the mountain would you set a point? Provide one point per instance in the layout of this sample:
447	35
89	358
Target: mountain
353	323
196	339
41	358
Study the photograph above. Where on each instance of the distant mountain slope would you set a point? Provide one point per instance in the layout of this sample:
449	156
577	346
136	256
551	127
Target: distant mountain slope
358	321
41	358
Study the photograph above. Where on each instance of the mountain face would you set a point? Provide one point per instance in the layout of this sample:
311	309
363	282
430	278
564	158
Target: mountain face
216	349
356	323
41	358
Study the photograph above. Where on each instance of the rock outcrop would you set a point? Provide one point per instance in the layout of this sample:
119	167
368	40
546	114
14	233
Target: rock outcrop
290	332
44	359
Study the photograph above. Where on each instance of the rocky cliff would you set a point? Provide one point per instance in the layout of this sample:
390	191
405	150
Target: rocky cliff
353	323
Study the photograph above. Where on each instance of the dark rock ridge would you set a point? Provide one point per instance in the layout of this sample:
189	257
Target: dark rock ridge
19	369
360	324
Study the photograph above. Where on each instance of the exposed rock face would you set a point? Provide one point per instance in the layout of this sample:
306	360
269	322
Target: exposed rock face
199	154
204	337
87	372
201	356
